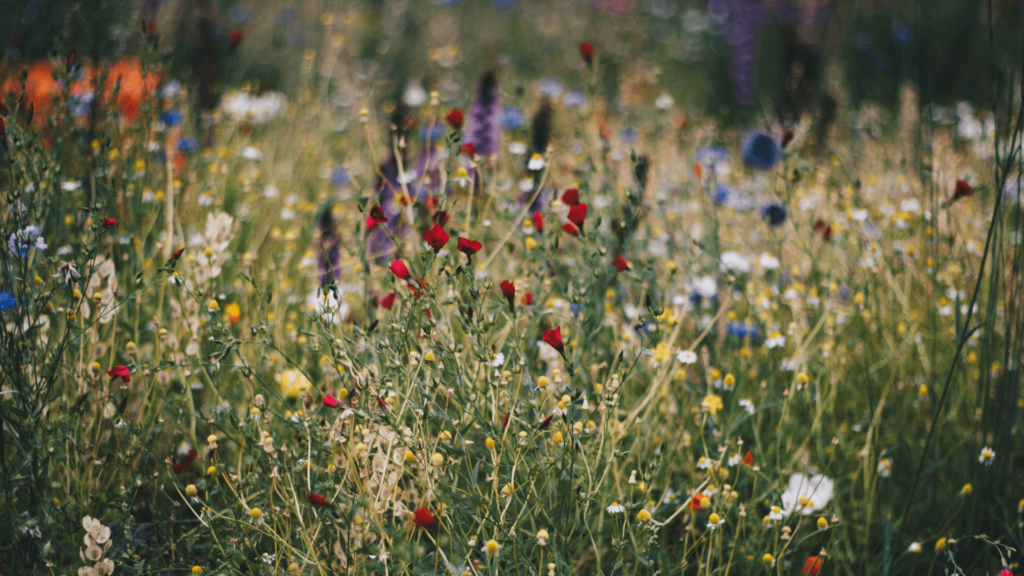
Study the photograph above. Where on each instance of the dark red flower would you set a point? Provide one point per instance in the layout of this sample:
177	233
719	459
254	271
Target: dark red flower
620	263
376	217
587	52
504	421
381	403
812	566
748	458
695	501
236	37
963	190
177	254
577	214
182	466
545	422
121	372
423	519
469	150
388	301
469	247
571	197
553	338
455	118
538	221
398	268
331	401
787	138
825	229
509	290
570	229
441	217
317	500
109	223
436	237
527	299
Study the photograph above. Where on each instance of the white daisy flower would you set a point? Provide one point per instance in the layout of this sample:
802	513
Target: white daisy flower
687	357
615	508
987	456
536	163
914	547
885	467
714	521
734	459
703	463
747	405
776	513
497	360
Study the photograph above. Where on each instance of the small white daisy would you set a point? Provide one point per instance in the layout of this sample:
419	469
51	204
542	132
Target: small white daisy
536	163
885	467
776	513
747	405
734	459
616	508
687	357
987	456
714	521
914	547
703	463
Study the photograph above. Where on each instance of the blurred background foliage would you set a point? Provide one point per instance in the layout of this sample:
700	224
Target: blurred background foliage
733	58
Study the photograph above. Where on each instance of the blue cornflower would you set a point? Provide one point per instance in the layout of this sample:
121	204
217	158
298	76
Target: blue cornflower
741	330
339	177
551	87
760	151
774	214
511	118
187	145
433	132
628	135
7	302
712	155
721	194
901	33
19	243
171	117
574	99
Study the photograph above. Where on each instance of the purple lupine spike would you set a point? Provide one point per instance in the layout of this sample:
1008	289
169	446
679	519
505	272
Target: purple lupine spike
328	252
482	131
387	185
745	18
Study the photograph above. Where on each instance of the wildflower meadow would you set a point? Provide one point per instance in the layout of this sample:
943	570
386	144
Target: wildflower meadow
486	288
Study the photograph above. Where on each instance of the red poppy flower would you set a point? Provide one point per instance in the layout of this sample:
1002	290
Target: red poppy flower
109	223
695	501
469	150
182	466
236	37
509	290
317	500
376	217
571	197
812	566
620	263
748	458
436	237
570	229
538	221
423	519
577	214
331	402
553	338
963	190
469	247
455	118
177	254
587	52
121	372
398	268
388	301
527	299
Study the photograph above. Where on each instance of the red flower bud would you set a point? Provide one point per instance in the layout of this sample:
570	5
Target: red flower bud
182	466
571	197
109	223
527	299
317	500
376	217
570	229
587	52
455	118
398	268
748	459
538	221
177	254
331	401
509	290
388	301
553	338
812	566
963	190
469	150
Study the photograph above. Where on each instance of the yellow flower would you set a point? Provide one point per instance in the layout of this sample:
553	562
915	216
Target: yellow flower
233	311
491	547
191	491
292	383
822	523
196	570
489	443
966	490
643	516
940	545
712	403
409	456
